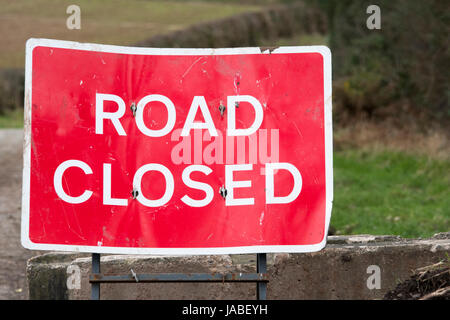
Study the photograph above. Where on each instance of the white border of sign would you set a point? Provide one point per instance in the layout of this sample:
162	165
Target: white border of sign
27	243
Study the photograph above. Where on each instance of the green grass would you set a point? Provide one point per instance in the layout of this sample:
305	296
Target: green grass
390	193
121	22
11	119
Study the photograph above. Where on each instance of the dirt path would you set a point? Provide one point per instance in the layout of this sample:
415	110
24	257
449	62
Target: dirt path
13	257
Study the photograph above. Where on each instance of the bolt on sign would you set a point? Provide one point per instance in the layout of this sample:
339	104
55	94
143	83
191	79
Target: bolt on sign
176	151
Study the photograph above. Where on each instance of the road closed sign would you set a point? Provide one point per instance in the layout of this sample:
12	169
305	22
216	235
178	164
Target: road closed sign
176	151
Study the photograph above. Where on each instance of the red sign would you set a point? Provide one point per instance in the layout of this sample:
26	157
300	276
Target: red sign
176	151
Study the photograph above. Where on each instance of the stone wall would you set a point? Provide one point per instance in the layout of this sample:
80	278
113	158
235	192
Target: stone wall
246	29
340	271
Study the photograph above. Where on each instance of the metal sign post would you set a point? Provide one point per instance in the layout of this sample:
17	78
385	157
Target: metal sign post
107	159
217	172
260	277
261	268
95	286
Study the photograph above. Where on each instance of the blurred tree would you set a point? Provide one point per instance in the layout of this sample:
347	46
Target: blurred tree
403	64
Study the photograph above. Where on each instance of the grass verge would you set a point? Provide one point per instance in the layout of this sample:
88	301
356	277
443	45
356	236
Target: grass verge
11	119
386	192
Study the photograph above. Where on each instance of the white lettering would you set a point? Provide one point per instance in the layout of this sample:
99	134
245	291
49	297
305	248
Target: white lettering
57	181
232	101
197	185
230	185
100	115
171	115
270	185
199	101
107	199
169	184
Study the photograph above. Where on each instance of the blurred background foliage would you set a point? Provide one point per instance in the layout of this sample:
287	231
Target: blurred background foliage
403	65
400	70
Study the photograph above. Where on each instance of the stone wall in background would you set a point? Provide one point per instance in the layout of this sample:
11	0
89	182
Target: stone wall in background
247	29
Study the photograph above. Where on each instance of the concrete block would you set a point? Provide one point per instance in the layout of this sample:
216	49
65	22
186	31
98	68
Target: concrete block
346	269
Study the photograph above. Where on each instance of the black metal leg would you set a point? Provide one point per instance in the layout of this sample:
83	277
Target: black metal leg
261	267
95	287
260	277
